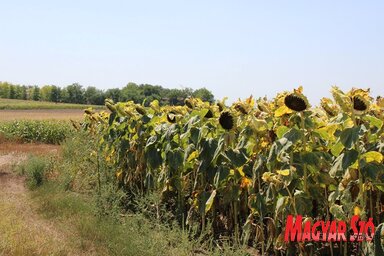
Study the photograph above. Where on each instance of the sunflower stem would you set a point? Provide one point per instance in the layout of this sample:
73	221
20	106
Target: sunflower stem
304	150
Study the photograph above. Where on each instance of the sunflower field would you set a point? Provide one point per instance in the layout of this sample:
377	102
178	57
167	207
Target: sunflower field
238	171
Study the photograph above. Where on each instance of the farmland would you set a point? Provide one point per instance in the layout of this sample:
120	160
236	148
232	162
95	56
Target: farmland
41	114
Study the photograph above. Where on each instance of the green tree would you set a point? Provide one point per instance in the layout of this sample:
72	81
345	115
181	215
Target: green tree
94	96
4	90
24	94
75	93
36	93
55	94
204	94
113	94
12	92
45	93
131	92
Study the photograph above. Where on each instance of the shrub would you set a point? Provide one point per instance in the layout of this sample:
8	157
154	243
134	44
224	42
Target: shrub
35	169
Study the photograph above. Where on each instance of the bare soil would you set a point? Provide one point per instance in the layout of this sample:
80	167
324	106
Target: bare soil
41	114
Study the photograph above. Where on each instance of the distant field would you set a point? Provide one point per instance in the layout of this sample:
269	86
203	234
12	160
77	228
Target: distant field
41	114
29	104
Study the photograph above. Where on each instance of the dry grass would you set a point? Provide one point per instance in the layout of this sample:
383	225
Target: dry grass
41	114
24	231
26	148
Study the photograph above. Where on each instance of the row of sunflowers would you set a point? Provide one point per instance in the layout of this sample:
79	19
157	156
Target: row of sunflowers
238	171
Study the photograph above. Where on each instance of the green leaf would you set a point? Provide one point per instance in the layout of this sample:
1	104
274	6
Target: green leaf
220	176
210	200
372	170
337	149
373	121
373	156
303	203
336	169
350	156
236	157
281	204
337	211
175	159
293	135
310	158
281	130
153	157
325	179
349	136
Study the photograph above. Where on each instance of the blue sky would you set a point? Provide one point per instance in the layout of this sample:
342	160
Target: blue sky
233	48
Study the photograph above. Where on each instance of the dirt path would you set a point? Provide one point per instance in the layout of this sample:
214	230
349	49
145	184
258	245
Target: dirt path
22	230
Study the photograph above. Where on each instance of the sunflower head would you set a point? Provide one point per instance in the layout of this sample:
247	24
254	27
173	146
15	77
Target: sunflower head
380	101
226	120
220	105
209	114
360	99
241	108
171	117
296	101
263	105
359	104
111	107
189	103
329	107
341	99
140	110
88	111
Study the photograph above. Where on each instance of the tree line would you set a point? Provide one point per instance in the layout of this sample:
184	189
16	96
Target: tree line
76	93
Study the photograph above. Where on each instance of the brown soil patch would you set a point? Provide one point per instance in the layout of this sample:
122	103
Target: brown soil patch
27	148
41	114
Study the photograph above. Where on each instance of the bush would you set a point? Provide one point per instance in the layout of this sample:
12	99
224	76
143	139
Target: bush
35	170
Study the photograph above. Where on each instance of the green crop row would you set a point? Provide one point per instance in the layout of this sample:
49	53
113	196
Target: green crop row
51	132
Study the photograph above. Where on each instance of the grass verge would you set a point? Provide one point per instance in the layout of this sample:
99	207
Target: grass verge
130	235
30	104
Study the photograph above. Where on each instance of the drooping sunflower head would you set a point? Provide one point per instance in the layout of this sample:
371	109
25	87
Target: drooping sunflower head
263	105
189	103
88	111
226	120
171	117
329	107
341	99
380	101
221	106
209	114
296	101
239	106
140	110
360	99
